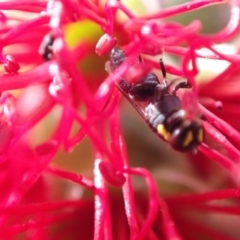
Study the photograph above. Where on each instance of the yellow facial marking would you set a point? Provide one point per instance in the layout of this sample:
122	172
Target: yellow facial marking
163	132
200	135
188	139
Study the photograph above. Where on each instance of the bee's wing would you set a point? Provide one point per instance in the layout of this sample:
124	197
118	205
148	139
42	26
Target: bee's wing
139	106
117	57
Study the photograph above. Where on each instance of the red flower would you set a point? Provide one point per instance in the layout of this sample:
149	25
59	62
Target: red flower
56	100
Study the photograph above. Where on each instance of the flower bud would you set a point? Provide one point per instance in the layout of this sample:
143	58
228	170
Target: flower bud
105	44
10	64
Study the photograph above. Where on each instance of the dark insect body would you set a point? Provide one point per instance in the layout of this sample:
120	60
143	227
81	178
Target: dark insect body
160	107
46	47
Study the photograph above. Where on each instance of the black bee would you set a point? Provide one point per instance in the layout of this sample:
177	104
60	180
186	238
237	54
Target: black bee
160	107
46	47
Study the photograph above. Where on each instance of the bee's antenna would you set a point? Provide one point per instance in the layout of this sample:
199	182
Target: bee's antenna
163	69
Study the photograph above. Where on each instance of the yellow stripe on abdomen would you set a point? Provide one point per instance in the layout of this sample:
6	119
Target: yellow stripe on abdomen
188	138
163	132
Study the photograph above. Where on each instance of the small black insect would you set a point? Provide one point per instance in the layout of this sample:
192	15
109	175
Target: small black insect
46	47
160	107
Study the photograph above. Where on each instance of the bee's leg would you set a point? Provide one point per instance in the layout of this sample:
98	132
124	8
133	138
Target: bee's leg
181	85
162	67
164	83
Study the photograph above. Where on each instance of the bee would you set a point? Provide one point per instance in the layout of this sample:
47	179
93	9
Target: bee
160	107
46	47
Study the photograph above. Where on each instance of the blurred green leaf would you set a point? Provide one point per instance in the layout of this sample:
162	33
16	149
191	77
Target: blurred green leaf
78	32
